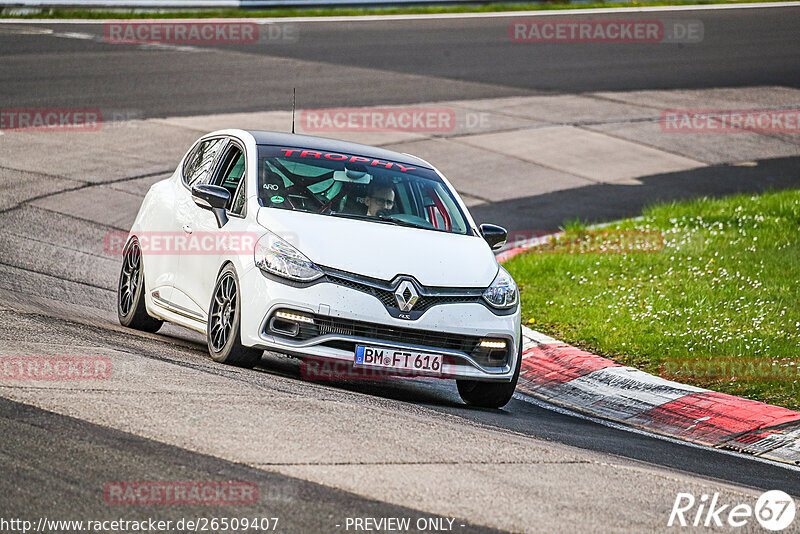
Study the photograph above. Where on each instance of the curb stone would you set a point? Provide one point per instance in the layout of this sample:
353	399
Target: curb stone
566	376
572	378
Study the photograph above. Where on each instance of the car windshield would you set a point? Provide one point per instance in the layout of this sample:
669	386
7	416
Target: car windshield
359	187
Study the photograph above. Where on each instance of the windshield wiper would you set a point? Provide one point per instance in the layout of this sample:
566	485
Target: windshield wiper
362	217
401	222
383	219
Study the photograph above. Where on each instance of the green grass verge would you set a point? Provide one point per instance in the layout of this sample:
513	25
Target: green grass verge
716	303
58	13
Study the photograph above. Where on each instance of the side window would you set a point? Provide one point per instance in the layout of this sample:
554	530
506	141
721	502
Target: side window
403	200
231	172
239	199
197	168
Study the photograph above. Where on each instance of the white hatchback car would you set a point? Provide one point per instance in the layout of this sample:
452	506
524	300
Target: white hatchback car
324	250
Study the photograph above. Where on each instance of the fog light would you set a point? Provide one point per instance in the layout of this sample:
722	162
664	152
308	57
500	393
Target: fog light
294	317
493	344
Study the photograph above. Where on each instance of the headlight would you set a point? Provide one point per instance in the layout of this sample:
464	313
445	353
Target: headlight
502	293
276	256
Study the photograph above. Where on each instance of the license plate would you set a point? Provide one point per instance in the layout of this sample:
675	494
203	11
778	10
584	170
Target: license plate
401	359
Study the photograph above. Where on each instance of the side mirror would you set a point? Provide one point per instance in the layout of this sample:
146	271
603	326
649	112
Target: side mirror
214	198
496	236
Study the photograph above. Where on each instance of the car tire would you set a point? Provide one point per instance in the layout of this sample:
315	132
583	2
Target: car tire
224	335
490	394
131	309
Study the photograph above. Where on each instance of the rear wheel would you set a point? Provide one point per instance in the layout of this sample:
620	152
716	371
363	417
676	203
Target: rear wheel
130	291
490	394
224	318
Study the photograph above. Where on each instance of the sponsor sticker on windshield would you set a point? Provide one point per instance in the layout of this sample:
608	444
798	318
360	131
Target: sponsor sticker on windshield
335	156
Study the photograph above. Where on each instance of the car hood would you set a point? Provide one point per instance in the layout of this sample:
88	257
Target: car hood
384	250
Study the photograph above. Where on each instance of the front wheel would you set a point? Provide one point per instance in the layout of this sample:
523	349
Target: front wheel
224	318
131	309
490	394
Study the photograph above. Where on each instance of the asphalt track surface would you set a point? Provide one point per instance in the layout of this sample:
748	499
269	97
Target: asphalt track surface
370	63
53	462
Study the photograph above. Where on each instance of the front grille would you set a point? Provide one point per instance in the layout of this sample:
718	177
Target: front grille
385	293
391	334
325	329
426	302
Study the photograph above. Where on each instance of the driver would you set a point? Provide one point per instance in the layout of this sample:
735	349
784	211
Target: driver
380	198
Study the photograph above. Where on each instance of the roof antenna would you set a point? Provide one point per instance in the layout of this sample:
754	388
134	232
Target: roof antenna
294	102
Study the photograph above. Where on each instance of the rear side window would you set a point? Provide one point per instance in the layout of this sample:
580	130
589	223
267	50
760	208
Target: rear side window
200	161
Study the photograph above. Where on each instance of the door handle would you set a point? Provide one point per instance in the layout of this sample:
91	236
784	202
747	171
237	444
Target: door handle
187	228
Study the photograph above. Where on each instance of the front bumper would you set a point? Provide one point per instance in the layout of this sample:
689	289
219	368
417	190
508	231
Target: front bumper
344	317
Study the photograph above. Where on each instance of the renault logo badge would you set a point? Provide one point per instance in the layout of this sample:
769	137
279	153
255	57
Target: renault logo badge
406	295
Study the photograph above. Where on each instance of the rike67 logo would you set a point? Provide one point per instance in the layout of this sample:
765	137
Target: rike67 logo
774	510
